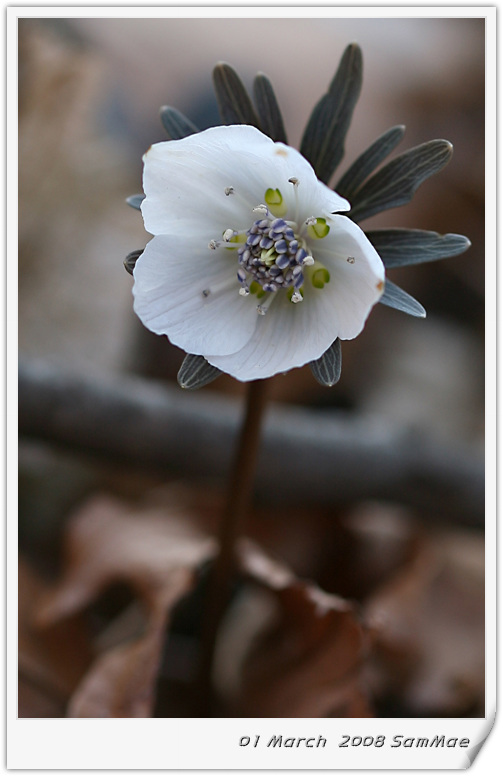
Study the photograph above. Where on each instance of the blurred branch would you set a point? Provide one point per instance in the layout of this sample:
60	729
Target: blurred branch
318	457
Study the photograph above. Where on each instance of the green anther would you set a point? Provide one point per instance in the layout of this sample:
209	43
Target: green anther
274	201
319	229
256	288
319	277
236	238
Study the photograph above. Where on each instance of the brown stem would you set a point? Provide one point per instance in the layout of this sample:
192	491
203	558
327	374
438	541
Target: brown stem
236	507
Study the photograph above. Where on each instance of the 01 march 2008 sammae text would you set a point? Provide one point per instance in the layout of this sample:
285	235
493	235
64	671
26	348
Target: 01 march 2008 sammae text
316	742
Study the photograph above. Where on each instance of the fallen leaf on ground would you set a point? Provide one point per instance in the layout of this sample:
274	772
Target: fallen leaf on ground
307	662
52	661
428	625
369	544
286	648
156	553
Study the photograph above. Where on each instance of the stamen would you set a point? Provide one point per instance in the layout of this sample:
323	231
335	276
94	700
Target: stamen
263	307
266	243
295	183
217	288
231	238
243	280
239	197
282	261
273	255
299	280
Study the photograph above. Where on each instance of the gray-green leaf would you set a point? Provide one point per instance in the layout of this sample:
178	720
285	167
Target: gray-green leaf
176	124
396	297
395	183
327	368
323	140
195	372
271	121
367	162
135	200
233	100
401	247
131	259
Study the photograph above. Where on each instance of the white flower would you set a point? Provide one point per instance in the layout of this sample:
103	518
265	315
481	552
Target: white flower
251	265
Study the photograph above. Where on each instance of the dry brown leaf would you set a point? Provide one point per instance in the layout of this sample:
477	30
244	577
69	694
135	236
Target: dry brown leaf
428	625
155	552
307	663
109	541
373	541
121	682
51	662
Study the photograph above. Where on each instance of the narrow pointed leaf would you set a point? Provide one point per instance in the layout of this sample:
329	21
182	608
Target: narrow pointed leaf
195	372
176	124
327	368
323	139
135	200
271	121
401	247
131	259
367	162
396	297
233	100
395	183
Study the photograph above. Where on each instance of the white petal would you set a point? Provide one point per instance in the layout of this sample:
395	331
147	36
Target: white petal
186	179
356	274
291	335
170	277
186	206
288	336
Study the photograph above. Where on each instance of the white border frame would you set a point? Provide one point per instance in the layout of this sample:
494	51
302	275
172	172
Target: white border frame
214	744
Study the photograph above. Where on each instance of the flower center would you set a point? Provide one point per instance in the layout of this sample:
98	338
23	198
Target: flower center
273	253
274	256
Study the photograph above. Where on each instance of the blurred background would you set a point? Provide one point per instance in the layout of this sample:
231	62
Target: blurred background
90	90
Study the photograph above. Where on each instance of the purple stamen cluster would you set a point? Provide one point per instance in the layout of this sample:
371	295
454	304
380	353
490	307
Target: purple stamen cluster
272	255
